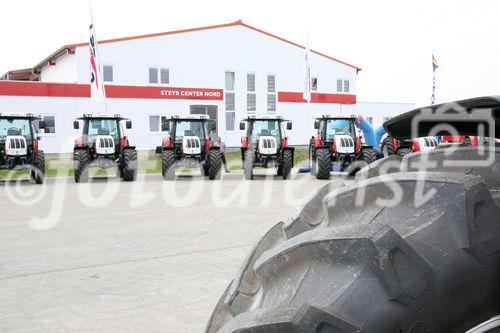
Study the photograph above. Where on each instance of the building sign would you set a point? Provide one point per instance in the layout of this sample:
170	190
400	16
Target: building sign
22	88
192	93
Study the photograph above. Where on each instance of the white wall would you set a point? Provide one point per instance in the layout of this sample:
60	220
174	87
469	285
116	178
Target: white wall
64	70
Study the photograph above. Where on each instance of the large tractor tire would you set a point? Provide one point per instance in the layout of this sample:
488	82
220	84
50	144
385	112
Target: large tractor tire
37	173
129	168
323	163
81	162
383	166
367	157
338	266
287	162
404	151
248	164
313	167
168	164
387	147
214	164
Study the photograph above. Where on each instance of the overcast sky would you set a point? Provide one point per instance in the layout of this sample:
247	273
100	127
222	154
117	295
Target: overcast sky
391	40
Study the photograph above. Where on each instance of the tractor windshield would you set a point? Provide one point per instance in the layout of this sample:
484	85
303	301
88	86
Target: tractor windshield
266	128
95	127
13	126
339	127
190	128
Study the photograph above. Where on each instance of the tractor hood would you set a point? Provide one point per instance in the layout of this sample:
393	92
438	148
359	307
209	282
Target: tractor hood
476	117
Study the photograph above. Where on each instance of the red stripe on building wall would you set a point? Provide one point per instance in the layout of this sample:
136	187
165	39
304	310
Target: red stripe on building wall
296	97
19	88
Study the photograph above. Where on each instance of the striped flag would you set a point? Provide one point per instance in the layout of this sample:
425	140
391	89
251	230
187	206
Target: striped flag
306	95
97	93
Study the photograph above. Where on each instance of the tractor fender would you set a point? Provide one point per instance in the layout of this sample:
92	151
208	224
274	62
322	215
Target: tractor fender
214	148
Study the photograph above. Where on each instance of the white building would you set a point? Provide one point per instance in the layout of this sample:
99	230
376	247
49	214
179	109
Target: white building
227	71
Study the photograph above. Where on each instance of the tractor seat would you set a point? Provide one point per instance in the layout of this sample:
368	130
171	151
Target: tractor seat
265	132
13	131
102	131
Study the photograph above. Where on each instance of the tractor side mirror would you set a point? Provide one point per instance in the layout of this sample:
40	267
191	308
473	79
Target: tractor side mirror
242	126
289	126
41	124
165	126
128	124
76	124
316	124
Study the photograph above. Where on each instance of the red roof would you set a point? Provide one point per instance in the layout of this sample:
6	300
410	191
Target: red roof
237	23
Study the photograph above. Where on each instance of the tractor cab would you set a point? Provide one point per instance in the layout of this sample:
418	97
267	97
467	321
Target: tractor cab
265	145
190	144
103	144
19	144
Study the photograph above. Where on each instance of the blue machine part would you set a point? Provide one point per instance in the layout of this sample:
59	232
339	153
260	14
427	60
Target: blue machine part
368	132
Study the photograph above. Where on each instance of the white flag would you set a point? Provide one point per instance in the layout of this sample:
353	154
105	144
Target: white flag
97	93
307	75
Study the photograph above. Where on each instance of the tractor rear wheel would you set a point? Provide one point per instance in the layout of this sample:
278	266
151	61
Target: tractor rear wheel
214	164
387	146
287	163
129	166
404	151
168	164
248	164
323	163
81	162
368	155
38	171
375	267
313	168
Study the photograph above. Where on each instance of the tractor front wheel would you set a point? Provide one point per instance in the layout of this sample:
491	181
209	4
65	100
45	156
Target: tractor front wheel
313	167
368	155
287	163
38	170
167	165
248	164
323	163
387	146
129	167
214	164
81	166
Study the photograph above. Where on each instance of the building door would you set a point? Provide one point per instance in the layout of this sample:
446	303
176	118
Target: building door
210	111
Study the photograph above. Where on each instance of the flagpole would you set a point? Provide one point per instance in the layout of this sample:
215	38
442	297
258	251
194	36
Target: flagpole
306	94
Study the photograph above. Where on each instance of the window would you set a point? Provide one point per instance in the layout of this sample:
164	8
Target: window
250	82
50	124
230	101
251	103
346	85
156	121
153	75
251	96
271	103
314	84
230	120
107	73
271	93
230	81
164	75
339	85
